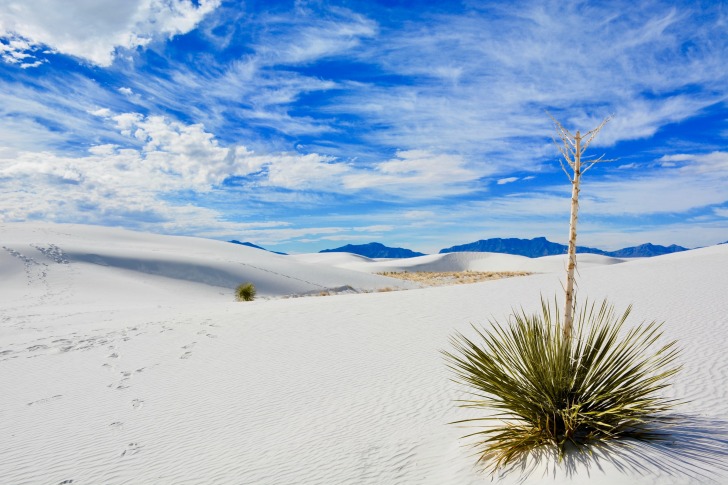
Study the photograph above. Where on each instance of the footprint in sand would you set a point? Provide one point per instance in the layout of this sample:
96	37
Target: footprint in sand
131	449
187	354
65	482
123	382
33	348
122	385
116	425
208	335
137	403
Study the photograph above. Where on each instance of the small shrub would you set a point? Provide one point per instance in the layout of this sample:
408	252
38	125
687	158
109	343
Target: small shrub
245	292
553	392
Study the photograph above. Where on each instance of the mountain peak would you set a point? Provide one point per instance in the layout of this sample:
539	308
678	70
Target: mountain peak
540	246
374	250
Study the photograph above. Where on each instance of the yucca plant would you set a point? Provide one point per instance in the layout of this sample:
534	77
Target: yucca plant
245	292
545	391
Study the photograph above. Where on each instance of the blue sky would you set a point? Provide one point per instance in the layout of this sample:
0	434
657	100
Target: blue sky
308	125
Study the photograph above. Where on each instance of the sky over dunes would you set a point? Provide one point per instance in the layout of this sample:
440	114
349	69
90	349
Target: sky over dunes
308	125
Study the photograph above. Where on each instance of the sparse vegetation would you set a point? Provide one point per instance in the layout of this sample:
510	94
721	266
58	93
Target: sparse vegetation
245	292
552	391
441	278
574	382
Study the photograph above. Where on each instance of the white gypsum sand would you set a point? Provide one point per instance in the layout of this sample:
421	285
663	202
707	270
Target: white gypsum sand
125	360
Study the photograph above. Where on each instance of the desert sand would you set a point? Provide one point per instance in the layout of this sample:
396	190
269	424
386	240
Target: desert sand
124	359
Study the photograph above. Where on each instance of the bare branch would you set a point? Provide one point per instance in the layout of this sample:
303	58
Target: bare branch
568	175
591	134
599	160
564	133
569	155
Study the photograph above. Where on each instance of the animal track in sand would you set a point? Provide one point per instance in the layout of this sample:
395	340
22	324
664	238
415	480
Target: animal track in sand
65	482
137	404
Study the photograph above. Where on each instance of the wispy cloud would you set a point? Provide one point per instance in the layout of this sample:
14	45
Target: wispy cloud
417	174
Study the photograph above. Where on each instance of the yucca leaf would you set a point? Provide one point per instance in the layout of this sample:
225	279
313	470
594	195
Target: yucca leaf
601	384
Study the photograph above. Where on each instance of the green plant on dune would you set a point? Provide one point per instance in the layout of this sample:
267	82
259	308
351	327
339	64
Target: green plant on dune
245	292
550	391
560	383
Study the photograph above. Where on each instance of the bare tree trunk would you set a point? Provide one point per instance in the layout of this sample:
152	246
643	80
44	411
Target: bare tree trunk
572	147
569	306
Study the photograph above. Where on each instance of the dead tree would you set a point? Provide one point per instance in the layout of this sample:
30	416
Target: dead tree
572	147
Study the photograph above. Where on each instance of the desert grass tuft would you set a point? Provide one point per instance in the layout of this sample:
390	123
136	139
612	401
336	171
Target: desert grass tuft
245	292
545	392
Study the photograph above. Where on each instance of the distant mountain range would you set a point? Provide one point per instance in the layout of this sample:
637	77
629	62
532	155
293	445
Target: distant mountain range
251	245
532	248
374	250
540	246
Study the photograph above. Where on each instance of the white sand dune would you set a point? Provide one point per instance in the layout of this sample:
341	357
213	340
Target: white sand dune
138	263
465	261
145	370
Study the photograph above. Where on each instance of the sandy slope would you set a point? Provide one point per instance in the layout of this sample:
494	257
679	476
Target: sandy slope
456	262
167	263
121	375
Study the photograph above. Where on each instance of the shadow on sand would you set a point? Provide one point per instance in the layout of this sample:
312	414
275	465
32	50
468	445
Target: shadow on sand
688	446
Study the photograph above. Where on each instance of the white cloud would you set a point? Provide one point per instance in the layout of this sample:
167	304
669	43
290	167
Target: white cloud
301	172
416	174
305	37
101	112
714	162
94	29
507	180
418	215
114	182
